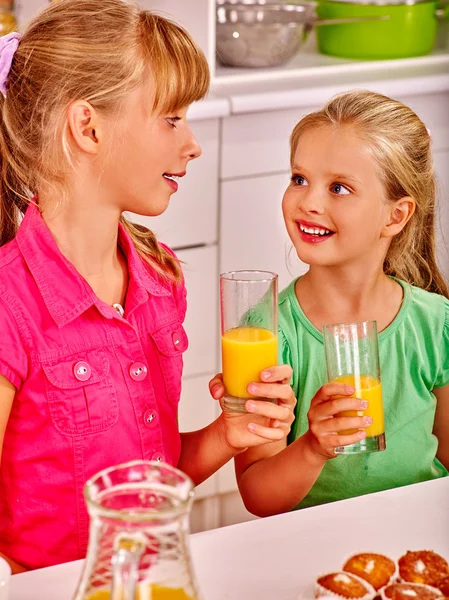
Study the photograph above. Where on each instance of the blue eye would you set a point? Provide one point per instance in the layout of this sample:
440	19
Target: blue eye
339	189
299	180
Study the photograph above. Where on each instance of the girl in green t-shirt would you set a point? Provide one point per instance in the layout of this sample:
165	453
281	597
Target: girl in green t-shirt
360	210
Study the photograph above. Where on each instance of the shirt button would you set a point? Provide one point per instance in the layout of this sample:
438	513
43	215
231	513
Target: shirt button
82	371
138	371
150	417
176	339
158	456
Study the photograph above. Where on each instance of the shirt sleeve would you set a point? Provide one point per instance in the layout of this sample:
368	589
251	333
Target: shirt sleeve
443	372
13	356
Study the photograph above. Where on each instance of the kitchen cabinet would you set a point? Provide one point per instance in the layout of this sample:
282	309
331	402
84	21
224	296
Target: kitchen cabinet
442	209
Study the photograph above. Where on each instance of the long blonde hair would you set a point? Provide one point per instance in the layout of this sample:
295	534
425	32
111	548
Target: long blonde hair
400	144
97	51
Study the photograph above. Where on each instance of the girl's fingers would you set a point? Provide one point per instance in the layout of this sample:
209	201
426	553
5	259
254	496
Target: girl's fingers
268	433
333	407
332	441
270	410
272	390
279	374
336	424
332	389
216	386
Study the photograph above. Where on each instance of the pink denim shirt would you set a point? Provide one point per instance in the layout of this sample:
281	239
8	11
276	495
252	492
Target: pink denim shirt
94	389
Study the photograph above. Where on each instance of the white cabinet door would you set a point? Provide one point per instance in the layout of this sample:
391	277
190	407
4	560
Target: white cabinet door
197	409
201	324
191	217
252	230
442	216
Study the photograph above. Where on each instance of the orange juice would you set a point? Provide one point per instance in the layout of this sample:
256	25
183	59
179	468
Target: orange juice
370	389
246	351
146	592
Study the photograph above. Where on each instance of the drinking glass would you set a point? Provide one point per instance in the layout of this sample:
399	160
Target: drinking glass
352	357
248	307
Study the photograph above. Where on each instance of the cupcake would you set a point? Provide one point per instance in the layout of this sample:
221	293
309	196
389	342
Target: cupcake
443	585
410	591
423	566
376	569
344	585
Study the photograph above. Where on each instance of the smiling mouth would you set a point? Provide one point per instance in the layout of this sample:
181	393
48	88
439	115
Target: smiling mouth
174	178
315	231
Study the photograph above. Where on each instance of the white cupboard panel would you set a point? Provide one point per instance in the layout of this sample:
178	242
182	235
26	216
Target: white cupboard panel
433	110
191	217
258	143
442	217
201	324
197	409
252	230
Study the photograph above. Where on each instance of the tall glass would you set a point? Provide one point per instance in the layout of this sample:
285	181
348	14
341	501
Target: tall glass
352	357
248	306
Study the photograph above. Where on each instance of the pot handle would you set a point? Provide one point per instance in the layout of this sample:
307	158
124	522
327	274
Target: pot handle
125	566
443	13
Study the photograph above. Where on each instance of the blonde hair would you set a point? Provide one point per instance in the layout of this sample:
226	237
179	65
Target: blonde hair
97	51
400	144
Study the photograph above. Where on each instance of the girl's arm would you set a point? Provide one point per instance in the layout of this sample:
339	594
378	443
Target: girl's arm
270	482
7	393
441	425
203	452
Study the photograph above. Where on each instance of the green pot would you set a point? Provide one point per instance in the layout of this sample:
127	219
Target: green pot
409	31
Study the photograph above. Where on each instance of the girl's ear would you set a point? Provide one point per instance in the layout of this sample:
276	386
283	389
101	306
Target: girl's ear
401	212
84	126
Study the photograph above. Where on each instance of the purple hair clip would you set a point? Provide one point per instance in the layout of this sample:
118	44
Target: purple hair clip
8	47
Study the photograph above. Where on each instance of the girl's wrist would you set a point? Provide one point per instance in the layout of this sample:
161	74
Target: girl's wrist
221	430
313	458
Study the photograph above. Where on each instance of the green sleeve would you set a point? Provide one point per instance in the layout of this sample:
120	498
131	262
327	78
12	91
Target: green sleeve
443	371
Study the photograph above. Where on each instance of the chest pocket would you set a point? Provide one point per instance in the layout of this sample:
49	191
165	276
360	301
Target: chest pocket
171	341
80	393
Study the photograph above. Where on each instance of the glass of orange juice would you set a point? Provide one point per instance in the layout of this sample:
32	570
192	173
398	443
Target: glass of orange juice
352	357
249	343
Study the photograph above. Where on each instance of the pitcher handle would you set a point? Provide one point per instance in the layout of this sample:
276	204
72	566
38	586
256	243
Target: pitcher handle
125	566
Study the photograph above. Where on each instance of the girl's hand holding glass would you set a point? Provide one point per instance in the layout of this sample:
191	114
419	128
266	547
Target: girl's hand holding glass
264	421
327	429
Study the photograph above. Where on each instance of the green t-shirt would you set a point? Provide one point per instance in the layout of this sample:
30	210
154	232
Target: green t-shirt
414	359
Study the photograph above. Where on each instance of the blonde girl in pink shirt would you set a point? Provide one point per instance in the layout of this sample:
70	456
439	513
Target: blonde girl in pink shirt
93	123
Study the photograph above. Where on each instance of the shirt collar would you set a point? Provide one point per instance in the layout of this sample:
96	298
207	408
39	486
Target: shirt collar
65	292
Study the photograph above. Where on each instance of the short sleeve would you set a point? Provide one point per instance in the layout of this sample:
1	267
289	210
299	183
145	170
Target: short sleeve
443	371
13	356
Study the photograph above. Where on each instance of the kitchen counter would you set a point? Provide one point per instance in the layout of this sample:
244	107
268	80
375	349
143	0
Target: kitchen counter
278	558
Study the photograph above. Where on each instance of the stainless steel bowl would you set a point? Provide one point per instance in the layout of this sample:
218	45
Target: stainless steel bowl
261	35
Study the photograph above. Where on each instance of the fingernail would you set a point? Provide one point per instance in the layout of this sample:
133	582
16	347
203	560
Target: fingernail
250	405
364	404
265	375
252	388
215	389
349	389
362	434
368	420
251	427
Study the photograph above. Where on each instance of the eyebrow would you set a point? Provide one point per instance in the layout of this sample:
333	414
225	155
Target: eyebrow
331	175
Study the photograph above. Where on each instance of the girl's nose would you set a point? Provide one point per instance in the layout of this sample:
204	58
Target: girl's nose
311	203
193	149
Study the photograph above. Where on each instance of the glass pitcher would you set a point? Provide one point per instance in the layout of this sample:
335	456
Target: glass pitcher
138	539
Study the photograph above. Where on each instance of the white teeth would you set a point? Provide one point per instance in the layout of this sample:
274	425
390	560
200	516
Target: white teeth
314	230
172	177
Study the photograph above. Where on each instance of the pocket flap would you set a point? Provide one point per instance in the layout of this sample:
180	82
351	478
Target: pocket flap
78	370
171	340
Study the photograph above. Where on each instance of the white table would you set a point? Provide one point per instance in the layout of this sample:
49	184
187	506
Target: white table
278	558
